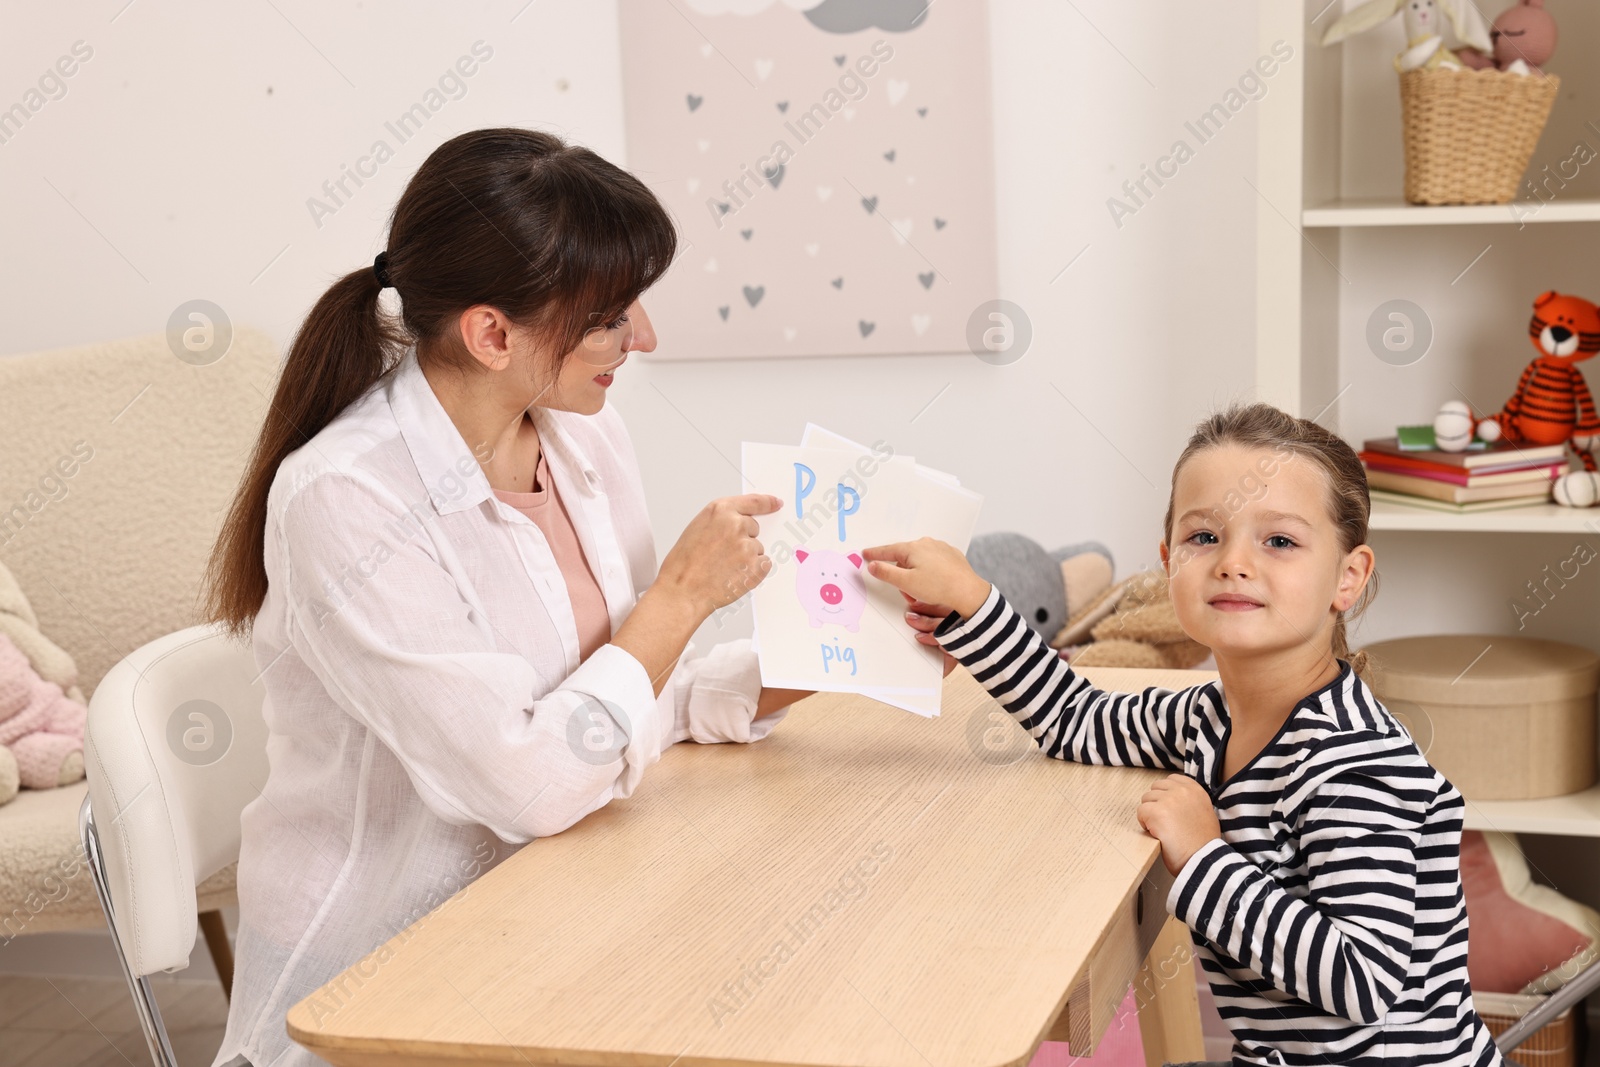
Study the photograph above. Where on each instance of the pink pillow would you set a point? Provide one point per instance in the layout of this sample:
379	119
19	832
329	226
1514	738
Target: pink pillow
1520	934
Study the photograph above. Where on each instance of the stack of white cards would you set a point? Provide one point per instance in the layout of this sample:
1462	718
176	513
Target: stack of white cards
821	621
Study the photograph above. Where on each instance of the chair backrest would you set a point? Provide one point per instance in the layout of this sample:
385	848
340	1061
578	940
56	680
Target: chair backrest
118	461
175	748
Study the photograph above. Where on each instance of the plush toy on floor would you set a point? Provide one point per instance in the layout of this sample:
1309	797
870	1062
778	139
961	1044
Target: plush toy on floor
1425	48
1524	37
1053	591
1068	598
1142	630
1552	404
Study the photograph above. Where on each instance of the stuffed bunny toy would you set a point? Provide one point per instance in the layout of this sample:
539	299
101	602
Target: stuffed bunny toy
41	707
1524	36
1425	48
40	725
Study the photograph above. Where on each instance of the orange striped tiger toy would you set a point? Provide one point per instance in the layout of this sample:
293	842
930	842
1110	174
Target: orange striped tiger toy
1552	404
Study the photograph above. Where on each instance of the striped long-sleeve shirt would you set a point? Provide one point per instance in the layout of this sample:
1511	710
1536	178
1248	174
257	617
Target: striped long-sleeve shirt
1329	917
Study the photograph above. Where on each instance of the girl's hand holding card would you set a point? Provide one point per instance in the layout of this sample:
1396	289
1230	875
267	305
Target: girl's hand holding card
931	571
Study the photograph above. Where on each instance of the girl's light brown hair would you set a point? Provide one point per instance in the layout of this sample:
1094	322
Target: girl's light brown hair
1349	504
554	236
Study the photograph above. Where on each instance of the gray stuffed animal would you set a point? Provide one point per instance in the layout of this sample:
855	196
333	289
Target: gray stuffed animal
1047	588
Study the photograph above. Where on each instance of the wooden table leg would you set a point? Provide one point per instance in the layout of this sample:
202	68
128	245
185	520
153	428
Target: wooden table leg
216	934
1168	1002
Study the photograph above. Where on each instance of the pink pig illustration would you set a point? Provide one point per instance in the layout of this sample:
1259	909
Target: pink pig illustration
831	588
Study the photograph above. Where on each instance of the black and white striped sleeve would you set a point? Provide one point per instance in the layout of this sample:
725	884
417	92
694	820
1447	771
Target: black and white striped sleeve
1361	803
1068	717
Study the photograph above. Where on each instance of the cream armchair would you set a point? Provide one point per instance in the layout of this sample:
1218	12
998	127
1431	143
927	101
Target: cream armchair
111	557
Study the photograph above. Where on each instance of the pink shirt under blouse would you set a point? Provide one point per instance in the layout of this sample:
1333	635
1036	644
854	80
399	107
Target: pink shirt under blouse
545	508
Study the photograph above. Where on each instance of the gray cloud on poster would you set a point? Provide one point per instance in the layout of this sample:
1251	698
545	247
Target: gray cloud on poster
853	16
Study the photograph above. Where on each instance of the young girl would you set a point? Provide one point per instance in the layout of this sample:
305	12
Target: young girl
1315	852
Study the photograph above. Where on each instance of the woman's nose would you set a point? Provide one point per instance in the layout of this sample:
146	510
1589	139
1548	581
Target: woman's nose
643	336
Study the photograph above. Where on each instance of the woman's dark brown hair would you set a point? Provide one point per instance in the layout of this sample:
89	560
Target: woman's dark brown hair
1349	504
551	234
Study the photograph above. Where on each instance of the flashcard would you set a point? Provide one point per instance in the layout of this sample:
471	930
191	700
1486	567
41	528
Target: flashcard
951	516
949	513
815	436
821	622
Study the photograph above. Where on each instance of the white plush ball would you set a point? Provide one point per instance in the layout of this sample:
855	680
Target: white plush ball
1489	430
1580	489
1452	427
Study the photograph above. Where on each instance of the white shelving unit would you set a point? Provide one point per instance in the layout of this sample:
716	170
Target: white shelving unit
1377	211
1544	518
1330	159
1574	815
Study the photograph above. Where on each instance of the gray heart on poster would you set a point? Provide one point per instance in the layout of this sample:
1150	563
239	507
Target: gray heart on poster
889	155
783	105
695	101
755	295
840	60
838	283
939	223
870	203
926	279
922	111
867	327
723	311
723	209
746	234
775	175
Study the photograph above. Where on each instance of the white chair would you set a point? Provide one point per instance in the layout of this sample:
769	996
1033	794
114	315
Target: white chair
175	748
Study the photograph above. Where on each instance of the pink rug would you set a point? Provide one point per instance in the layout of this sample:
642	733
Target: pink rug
1121	1046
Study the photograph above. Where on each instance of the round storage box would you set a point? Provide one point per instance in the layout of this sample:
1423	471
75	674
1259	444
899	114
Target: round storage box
1504	718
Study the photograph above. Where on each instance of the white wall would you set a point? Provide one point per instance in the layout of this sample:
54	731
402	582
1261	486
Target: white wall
179	162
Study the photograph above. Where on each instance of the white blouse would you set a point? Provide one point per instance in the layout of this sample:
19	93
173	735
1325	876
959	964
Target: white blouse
427	711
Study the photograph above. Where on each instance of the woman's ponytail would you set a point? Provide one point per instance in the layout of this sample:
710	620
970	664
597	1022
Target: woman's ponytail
345	345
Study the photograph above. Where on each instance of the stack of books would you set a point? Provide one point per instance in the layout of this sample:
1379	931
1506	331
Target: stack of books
1409	469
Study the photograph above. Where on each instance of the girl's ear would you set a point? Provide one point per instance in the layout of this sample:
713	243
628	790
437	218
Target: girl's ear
1359	564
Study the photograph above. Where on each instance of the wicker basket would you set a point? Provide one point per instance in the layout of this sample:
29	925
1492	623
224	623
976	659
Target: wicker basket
1553	1045
1470	133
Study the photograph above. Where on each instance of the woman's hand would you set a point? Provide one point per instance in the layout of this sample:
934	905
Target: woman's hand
1177	812
929	571
925	618
716	561
717	558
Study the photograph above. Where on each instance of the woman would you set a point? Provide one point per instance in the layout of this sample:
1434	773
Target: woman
441	553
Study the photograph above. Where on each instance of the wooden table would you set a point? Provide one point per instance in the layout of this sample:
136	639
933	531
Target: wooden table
865	888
